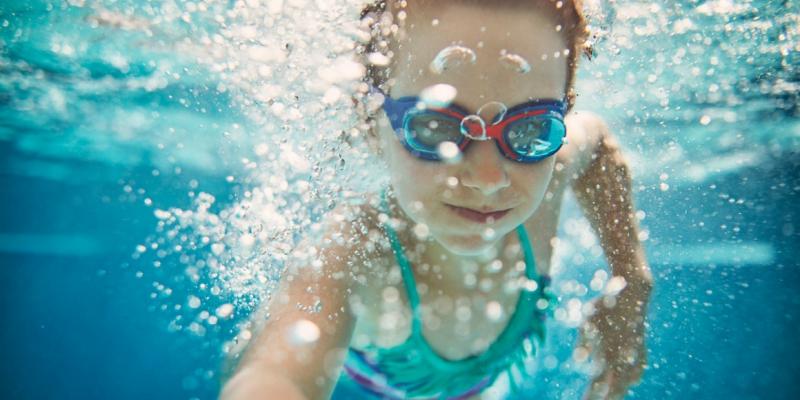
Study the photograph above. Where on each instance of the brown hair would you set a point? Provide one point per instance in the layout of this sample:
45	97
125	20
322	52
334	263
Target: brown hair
569	13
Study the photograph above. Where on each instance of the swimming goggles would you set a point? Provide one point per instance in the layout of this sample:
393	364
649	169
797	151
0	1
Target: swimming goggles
527	133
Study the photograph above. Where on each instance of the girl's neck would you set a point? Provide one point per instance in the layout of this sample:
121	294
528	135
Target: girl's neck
445	268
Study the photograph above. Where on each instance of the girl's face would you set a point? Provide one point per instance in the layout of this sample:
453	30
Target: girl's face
483	179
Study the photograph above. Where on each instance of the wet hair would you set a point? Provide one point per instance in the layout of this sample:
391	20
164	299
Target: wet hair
569	14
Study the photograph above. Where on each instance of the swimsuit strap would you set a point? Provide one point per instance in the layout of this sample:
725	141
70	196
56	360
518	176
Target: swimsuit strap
405	267
527	252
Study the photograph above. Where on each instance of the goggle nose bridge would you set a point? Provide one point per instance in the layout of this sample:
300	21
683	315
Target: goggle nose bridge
471	121
481	123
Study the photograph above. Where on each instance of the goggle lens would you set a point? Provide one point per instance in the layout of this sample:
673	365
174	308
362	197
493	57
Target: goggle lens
427	130
535	137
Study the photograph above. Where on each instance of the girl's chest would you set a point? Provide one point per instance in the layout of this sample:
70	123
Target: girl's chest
457	320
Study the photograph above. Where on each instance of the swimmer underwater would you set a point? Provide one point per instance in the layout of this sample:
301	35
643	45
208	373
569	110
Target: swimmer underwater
438	284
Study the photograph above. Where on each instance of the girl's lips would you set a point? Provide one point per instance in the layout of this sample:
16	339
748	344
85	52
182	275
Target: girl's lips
477	216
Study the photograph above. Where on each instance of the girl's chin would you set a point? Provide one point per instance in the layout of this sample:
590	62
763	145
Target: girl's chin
470	246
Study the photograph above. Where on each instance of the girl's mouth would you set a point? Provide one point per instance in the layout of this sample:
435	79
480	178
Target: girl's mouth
477	216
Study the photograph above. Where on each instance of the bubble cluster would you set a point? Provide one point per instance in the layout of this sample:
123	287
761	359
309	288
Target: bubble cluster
288	73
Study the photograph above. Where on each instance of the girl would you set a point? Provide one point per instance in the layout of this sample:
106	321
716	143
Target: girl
437	285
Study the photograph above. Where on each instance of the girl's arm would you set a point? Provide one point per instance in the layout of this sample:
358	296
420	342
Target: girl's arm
615	332
297	354
603	190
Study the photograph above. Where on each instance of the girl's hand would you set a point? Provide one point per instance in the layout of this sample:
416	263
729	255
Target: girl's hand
614	335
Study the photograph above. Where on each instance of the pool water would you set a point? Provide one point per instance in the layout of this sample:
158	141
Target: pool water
113	110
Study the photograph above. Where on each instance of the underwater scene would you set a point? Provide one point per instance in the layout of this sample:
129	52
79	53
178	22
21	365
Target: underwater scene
160	160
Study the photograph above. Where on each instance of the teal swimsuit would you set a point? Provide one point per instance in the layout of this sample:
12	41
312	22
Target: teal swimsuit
415	370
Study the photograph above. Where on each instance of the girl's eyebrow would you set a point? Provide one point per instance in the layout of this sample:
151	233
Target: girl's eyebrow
514	62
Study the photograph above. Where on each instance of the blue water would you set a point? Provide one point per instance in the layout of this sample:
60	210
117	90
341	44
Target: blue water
102	123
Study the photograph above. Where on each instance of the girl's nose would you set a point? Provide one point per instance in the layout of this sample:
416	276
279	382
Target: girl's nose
484	168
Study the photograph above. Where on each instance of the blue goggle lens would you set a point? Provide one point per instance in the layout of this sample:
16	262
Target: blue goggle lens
535	137
426	130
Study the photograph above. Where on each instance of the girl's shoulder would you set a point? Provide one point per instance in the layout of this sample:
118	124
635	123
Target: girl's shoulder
585	131
350	241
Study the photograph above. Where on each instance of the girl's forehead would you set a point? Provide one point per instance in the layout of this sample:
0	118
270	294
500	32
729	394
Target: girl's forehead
481	51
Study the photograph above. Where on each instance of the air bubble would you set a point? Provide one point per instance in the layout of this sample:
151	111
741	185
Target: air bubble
452	182
473	127
224	311
614	286
378	59
495	108
440	95
449	152
529	284
515	62
580	354
421	231
193	301
463	313
217	248
494	311
470	280
303	332
452	57
247	240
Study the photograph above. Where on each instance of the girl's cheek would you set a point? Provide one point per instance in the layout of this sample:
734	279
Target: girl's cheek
423	179
538	178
